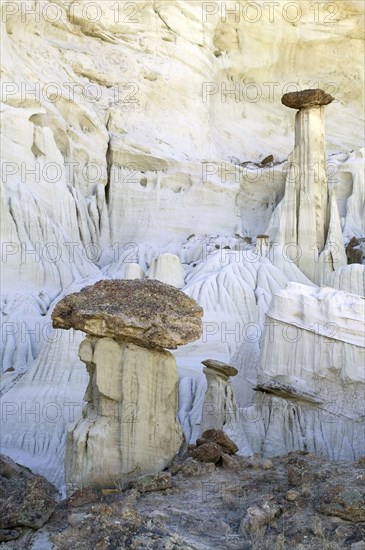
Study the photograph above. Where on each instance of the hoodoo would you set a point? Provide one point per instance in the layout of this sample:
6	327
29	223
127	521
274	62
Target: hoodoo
128	425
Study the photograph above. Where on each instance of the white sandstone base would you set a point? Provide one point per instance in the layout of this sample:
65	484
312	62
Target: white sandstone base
128	426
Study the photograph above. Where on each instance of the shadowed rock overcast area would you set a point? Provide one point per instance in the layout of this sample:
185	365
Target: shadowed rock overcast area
209	157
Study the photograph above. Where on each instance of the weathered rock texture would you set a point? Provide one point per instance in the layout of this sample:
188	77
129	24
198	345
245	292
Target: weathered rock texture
219	405
219	437
311	378
309	219
168	269
350	278
148	313
26	500
166	107
303	502
128	426
306	99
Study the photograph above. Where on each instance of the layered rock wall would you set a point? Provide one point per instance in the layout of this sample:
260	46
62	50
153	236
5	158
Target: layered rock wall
310	380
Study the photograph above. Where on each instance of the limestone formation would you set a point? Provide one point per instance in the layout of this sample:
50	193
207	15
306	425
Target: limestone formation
128	426
148	313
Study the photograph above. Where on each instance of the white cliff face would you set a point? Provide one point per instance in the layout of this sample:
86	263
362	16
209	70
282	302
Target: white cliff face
311	375
350	278
123	144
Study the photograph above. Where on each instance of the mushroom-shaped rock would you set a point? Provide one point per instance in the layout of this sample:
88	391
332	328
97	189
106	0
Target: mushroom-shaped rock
128	426
219	405
308	215
148	313
220	368
306	99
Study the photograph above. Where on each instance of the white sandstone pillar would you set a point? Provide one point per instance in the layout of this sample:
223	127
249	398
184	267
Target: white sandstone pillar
307	211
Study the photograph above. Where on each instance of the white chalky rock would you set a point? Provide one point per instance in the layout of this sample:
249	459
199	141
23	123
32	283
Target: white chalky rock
133	271
220	409
311	377
350	278
128	426
167	268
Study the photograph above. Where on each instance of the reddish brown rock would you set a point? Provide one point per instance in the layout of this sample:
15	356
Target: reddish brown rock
148	313
208	452
354	254
306	98
219	437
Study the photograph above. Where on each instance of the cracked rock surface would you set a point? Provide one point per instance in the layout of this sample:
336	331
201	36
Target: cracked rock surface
148	313
302	502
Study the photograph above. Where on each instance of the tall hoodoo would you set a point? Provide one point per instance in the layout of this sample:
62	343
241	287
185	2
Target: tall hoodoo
309	217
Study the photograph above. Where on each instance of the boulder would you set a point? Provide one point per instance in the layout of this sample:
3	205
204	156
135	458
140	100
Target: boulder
353	251
148	313
26	500
208	452
219	437
152	482
342	501
306	99
259	515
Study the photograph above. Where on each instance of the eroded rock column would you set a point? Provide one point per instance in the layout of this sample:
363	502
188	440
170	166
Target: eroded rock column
219	406
128	426
309	215
220	410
